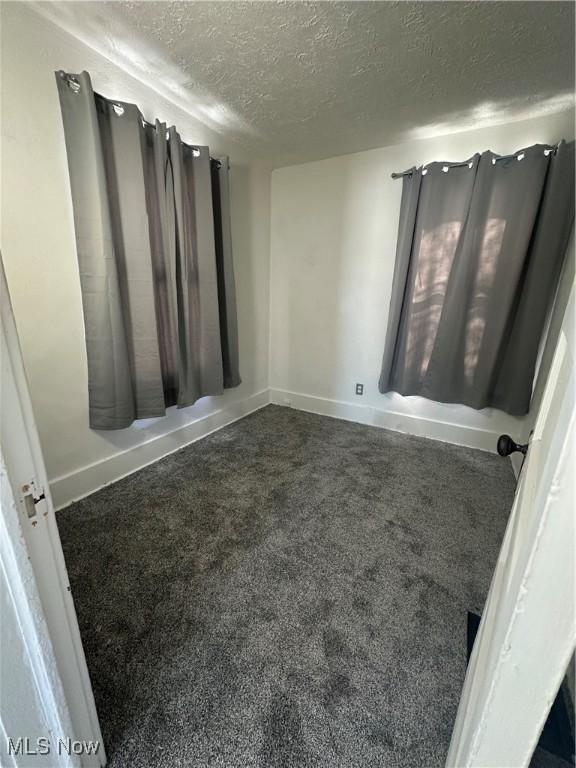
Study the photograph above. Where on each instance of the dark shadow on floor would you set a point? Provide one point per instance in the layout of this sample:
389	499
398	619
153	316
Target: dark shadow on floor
290	591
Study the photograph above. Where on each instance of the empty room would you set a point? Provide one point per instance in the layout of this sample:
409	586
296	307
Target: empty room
287	384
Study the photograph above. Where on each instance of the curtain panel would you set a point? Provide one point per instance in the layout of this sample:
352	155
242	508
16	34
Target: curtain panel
152	222
480	249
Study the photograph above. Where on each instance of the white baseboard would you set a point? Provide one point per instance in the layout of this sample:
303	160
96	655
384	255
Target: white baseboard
458	434
84	481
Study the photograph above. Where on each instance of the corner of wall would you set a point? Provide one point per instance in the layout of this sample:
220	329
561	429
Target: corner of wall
92	477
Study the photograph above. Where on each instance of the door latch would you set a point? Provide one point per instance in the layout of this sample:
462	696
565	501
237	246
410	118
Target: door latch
30	499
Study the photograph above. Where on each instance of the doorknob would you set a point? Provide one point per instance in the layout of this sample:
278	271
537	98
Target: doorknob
506	446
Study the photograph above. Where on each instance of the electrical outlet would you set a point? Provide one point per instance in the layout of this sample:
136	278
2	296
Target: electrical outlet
359	389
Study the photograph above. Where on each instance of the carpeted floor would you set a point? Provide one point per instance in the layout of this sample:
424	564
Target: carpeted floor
290	591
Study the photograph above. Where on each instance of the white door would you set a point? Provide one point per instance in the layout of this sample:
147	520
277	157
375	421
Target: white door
33	709
528	629
31	538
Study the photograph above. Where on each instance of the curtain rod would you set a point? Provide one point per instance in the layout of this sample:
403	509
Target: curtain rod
73	83
469	163
195	149
410	171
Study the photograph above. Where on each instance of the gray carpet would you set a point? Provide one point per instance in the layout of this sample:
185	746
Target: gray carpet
290	591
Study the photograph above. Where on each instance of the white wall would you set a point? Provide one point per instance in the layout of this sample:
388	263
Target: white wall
333	240
323	308
39	253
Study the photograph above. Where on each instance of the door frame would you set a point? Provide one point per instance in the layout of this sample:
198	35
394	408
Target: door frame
43	700
527	634
44	587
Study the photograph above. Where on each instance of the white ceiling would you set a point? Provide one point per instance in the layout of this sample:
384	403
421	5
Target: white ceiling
294	81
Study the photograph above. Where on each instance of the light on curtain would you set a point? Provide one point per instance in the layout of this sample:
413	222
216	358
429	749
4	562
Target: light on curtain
152	221
480	248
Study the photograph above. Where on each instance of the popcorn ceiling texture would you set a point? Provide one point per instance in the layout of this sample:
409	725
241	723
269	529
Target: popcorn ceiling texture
295	81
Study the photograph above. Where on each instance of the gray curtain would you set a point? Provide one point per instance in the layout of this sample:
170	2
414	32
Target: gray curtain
152	221
480	248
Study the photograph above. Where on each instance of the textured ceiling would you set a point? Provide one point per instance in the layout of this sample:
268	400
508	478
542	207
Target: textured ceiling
294	81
